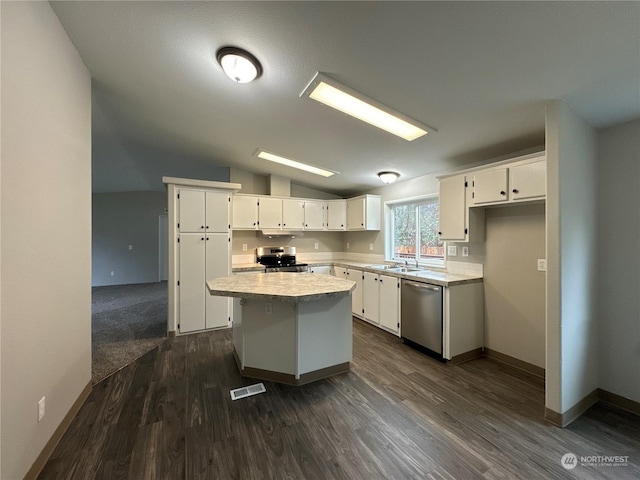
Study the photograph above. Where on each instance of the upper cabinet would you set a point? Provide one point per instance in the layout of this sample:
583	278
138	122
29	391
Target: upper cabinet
336	215
457	222
314	214
264	212
245	212
462	195
363	213
201	211
528	181
522	181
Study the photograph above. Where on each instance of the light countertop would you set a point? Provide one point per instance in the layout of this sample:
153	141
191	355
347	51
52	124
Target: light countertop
283	286
435	277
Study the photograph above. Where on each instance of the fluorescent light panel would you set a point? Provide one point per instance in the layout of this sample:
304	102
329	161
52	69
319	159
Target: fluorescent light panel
329	92
292	163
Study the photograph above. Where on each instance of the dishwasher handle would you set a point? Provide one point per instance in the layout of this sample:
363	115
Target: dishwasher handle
423	286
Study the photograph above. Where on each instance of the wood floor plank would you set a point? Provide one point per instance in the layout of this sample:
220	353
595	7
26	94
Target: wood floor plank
396	414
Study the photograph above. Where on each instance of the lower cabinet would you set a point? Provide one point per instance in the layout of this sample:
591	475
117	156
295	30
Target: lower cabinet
382	301
322	269
199	260
356	296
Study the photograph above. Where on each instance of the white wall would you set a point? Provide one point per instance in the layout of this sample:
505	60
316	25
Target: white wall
619	259
46	230
572	350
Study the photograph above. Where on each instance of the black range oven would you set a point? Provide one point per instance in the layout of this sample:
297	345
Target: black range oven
279	259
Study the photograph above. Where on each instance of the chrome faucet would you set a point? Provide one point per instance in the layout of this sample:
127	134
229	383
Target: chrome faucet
406	263
417	263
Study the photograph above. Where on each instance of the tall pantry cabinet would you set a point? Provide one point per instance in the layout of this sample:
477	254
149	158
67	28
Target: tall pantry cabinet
199	218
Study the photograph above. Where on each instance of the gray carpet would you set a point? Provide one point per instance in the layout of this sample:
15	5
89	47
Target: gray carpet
127	321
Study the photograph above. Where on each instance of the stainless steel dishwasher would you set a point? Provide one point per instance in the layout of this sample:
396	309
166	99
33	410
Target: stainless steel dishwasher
421	313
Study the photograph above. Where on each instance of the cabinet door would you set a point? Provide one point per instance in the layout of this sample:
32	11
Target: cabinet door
528	181
292	214
245	212
337	215
340	272
191	205
389	303
490	186
370	294
218	253
452	209
217	212
355	214
191	294
270	213
321	269
314	215
356	295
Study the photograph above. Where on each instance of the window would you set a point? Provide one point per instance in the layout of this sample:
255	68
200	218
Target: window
414	232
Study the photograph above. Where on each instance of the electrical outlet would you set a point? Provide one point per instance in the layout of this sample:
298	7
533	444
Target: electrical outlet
267	308
371	246
113	274
130	247
465	251
244	247
41	408
452	251
542	264
316	245
348	245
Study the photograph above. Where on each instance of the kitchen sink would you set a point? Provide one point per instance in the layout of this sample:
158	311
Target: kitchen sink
380	267
403	269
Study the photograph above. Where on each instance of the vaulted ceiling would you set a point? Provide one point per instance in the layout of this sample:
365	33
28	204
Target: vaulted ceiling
479	72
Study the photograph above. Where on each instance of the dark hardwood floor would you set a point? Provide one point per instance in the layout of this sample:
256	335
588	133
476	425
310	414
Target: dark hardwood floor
398	414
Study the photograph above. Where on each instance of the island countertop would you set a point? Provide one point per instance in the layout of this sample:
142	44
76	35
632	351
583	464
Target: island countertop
283	286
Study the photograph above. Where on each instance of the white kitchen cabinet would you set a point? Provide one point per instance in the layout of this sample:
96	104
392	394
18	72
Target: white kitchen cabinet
389	298
314	214
356	296
457	222
245	212
340	272
336	215
293	213
270	213
320	269
199	250
528	181
363	212
202	257
490	186
370	298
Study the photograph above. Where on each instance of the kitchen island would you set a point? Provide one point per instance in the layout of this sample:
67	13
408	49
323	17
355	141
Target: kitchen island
292	328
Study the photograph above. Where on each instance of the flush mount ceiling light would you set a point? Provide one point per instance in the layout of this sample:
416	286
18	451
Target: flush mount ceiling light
329	92
388	177
239	65
292	163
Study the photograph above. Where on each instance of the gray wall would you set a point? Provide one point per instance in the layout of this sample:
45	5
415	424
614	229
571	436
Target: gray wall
619	259
120	220
514	290
45	254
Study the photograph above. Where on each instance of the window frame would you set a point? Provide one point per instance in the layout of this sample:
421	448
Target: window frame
389	226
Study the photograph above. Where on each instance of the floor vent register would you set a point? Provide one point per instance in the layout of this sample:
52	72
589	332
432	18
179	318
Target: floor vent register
247	391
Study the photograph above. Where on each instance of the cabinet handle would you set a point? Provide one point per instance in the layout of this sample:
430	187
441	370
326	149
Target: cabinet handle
207	226
201	226
515	190
202	238
207	239
502	192
278	224
439	233
254	224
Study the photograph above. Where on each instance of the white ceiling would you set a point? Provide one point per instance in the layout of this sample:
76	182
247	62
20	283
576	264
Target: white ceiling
480	72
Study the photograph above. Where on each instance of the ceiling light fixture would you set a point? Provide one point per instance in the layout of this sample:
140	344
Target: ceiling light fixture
292	163
388	177
239	65
329	92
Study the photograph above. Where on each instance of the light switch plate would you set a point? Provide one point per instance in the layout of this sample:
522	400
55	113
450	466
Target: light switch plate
542	264
130	247
316	245
465	251
244	247
371	246
452	251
